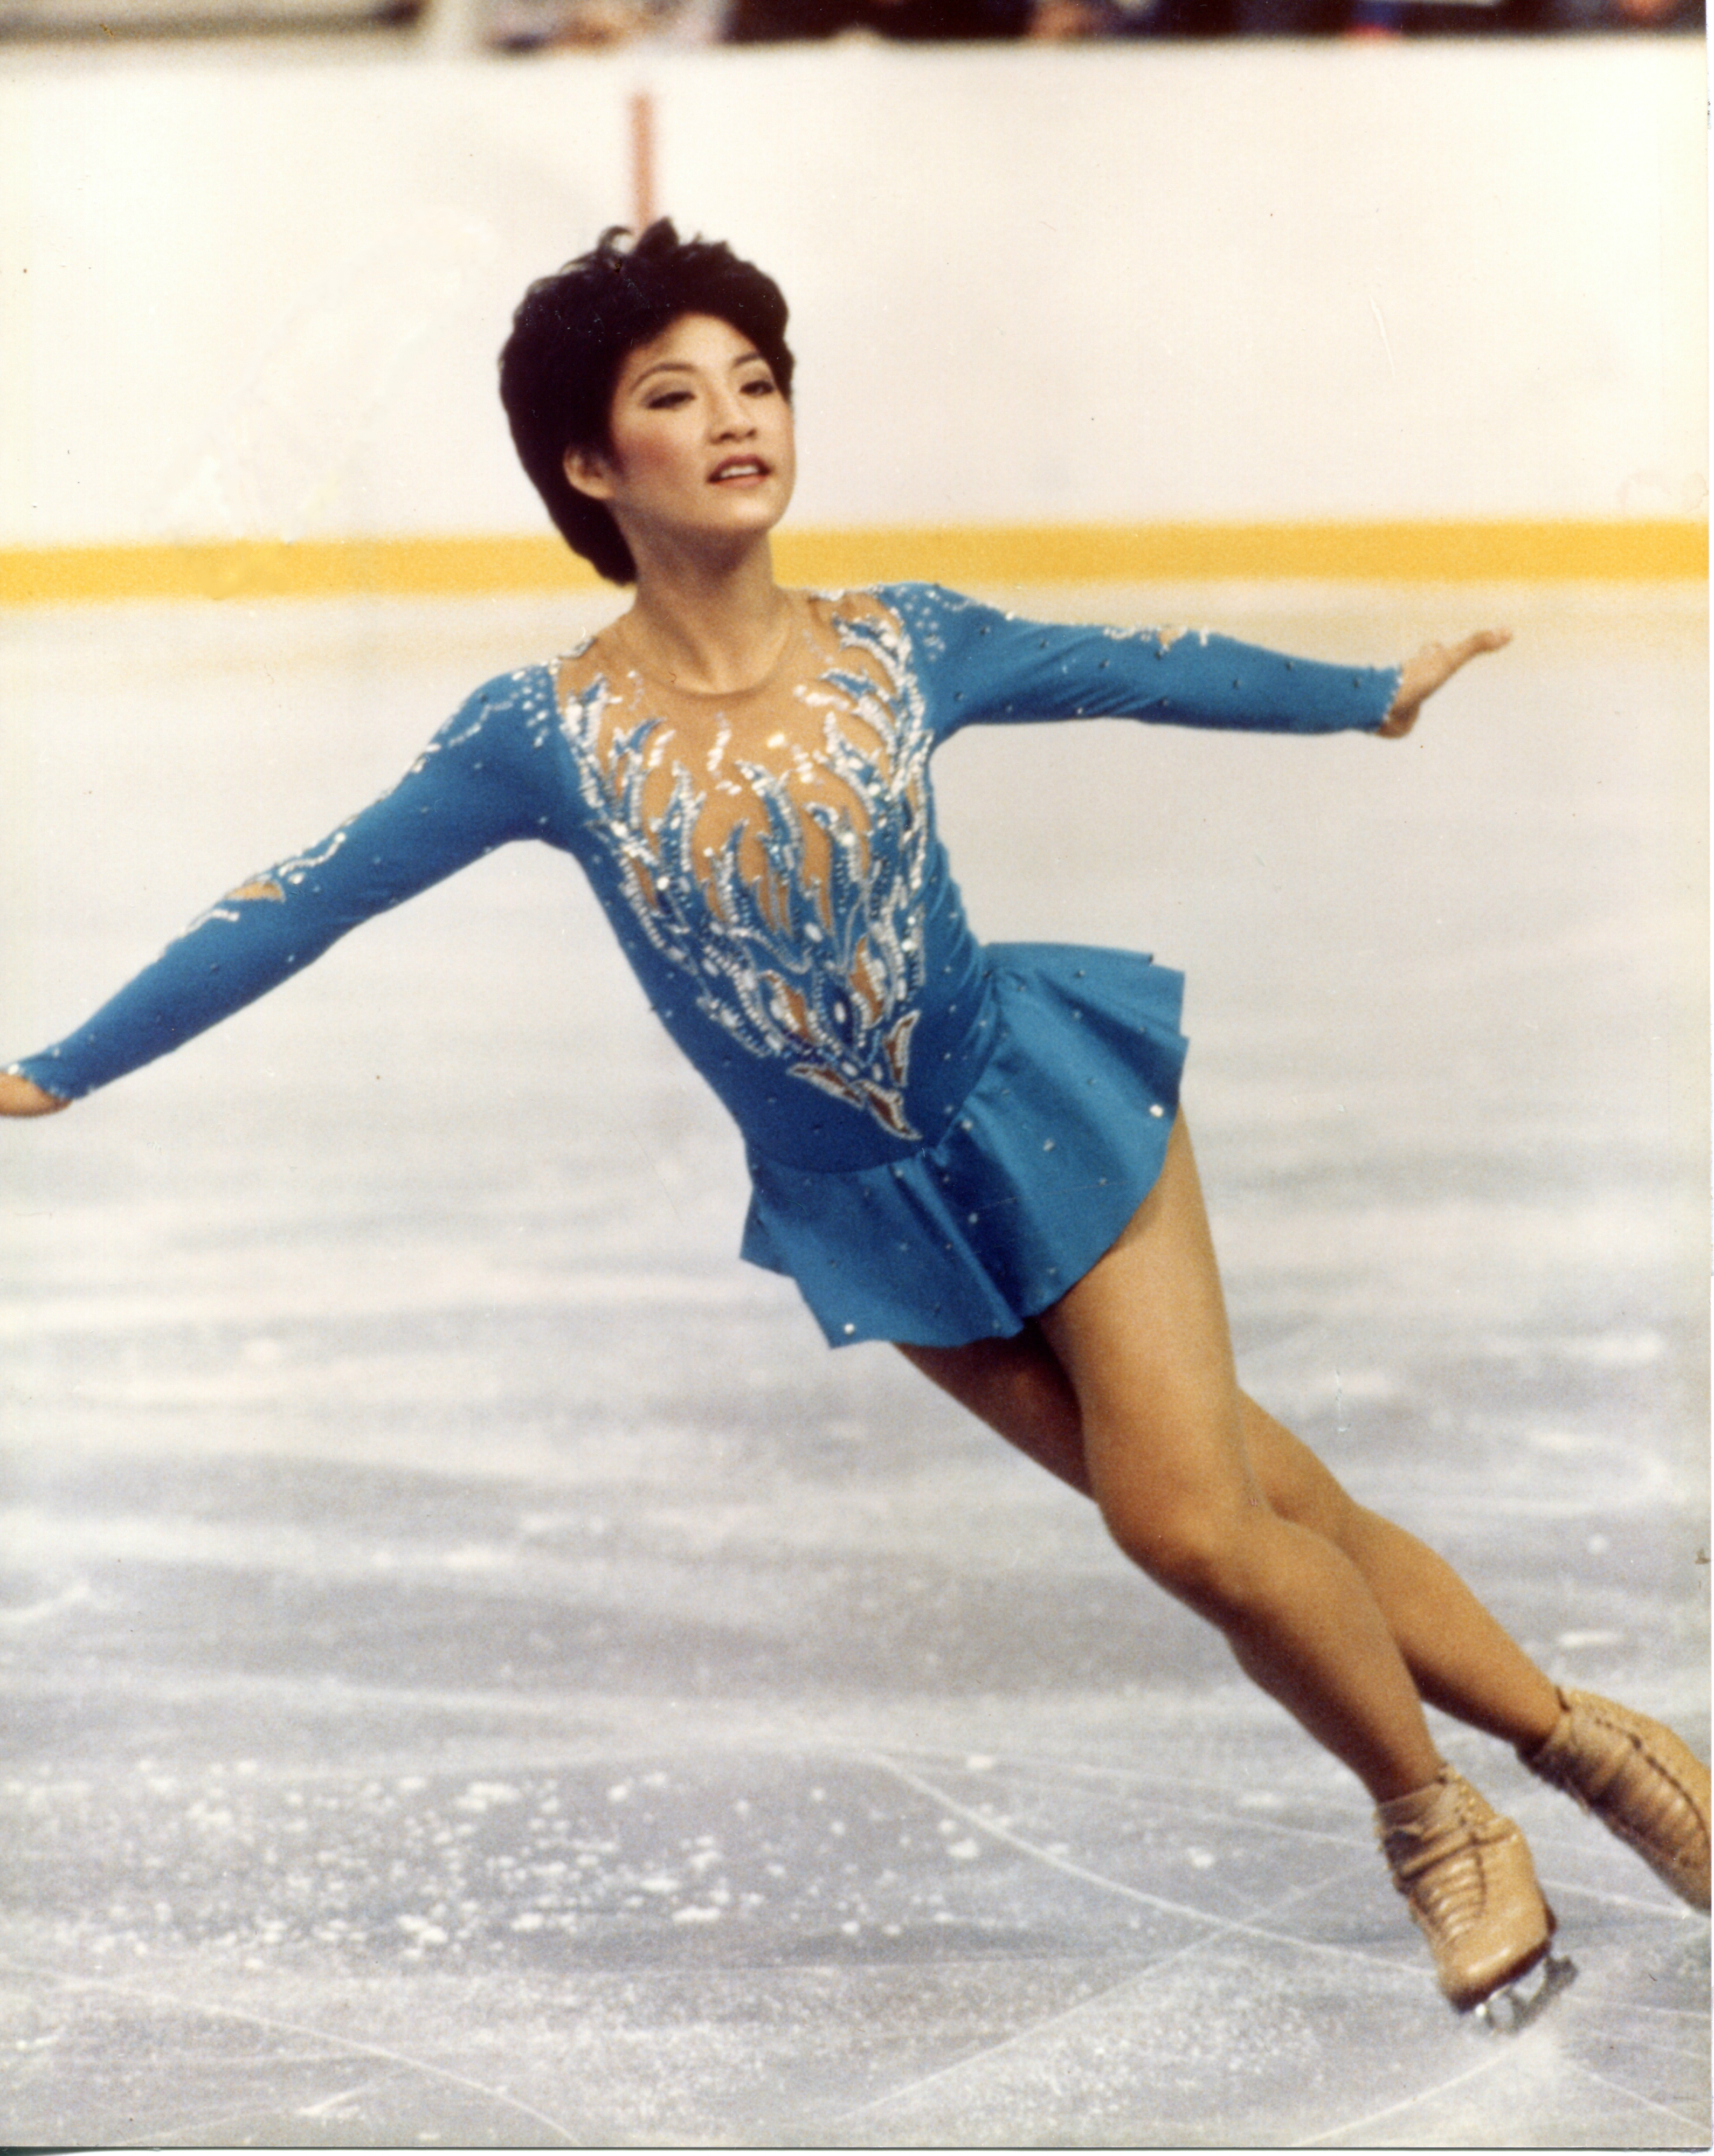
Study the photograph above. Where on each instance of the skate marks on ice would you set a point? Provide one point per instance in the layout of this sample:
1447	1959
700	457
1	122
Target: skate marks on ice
544	1942
1118	2059
245	2070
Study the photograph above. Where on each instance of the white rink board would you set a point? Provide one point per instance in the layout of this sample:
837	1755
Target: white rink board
261	295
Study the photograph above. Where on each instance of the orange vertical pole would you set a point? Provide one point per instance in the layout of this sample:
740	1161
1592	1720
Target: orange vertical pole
642	160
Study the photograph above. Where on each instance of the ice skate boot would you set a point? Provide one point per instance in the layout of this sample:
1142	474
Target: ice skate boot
1467	1875
1640	1780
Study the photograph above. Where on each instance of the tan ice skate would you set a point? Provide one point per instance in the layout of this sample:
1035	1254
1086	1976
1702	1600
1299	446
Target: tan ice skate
1640	1780
1467	1876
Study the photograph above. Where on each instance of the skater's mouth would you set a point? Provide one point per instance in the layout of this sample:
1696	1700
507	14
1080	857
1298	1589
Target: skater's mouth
738	469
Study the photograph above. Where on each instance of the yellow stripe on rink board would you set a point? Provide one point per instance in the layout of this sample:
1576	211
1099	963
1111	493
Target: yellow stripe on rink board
1627	550
298	569
1449	553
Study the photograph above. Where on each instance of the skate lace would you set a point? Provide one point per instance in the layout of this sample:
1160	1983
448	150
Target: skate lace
1611	1768
1440	1866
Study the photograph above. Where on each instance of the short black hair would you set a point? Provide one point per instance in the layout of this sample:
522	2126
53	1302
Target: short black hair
571	335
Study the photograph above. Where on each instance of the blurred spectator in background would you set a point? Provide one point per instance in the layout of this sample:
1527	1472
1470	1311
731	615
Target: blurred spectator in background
755	20
916	22
523	26
520	24
526	25
1060	19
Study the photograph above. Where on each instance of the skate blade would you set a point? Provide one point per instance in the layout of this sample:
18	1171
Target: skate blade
1510	2010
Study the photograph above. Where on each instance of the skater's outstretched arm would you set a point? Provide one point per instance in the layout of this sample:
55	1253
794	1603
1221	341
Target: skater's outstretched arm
980	665
475	787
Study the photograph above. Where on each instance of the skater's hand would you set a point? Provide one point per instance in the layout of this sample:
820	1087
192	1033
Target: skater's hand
1432	668
19	1098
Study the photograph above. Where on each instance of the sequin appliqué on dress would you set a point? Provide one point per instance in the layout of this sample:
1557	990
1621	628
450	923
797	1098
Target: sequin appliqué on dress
809	952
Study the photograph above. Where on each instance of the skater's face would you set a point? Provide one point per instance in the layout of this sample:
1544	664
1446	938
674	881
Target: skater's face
700	440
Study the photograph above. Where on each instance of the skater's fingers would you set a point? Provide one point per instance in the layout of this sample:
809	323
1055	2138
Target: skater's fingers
1471	647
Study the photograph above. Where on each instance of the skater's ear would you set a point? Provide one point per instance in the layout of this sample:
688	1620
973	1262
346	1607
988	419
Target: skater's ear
590	472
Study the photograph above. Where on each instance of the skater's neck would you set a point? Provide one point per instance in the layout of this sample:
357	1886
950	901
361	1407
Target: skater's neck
713	626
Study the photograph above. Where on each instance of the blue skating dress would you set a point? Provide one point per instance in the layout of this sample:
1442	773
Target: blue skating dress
942	1138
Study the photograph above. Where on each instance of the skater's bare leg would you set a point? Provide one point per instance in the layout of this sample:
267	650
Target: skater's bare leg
1016	1388
1463	1661
1142	1338
1459	1657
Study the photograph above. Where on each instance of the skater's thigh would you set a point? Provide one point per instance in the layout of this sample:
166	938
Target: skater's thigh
1016	1388
1140	1345
1143	1336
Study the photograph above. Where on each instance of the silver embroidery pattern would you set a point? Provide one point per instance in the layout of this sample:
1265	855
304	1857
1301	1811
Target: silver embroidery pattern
818	974
292	872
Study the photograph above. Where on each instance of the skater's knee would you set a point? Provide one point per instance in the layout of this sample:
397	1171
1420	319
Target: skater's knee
1295	1484
1198	1545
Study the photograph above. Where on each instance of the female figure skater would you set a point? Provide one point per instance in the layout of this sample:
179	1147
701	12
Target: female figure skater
975	1153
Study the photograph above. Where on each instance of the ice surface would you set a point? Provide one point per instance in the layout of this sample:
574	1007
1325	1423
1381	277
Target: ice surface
478	1671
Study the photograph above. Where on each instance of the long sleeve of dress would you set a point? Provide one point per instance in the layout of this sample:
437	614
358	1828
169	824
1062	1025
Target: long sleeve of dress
980	666
472	789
